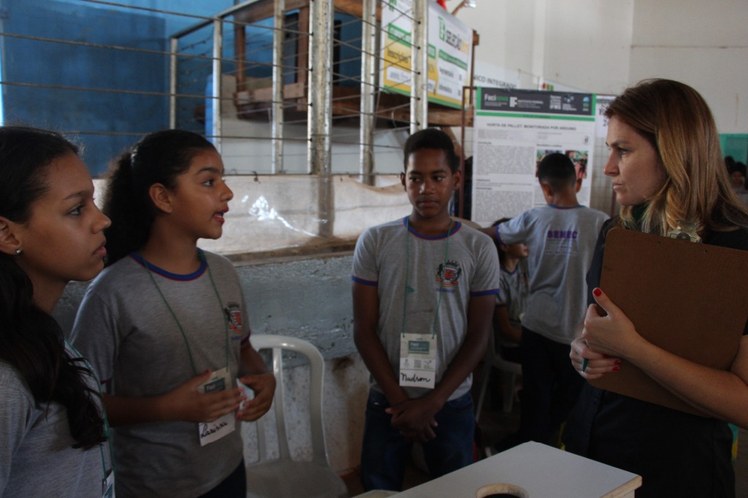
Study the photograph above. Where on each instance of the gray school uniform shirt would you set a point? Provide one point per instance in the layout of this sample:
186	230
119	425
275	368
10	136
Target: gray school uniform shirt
37	457
133	341
513	292
561	243
416	275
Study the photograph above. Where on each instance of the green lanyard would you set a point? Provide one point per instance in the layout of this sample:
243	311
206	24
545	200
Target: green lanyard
107	430
407	278
201	257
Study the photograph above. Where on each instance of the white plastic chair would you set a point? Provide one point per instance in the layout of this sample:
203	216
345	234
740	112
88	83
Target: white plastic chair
510	372
284	477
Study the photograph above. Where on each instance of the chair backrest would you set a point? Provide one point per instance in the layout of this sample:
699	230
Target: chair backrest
279	343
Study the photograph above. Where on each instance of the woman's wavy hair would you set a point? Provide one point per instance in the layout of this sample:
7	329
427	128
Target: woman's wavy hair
677	121
31	341
159	157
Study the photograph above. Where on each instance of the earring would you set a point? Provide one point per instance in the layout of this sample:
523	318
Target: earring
19	251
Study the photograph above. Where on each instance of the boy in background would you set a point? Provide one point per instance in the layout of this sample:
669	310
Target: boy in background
512	298
562	238
423	296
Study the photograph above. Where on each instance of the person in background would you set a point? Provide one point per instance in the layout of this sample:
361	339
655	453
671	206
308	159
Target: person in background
512	298
510	304
53	440
562	236
580	165
670	180
423	296
166	327
738	180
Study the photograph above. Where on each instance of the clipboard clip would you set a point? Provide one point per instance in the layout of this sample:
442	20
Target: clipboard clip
685	231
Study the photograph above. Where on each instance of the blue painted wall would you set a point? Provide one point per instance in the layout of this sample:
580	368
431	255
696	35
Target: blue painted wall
107	98
30	67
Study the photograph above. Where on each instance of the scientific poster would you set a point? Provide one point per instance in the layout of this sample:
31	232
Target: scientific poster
513	130
450	45
601	153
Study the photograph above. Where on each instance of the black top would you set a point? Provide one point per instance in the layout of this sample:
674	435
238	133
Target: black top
676	453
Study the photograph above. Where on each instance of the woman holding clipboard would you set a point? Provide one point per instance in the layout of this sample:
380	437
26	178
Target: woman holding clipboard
669	178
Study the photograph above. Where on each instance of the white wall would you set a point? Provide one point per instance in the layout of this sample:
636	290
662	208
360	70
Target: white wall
703	44
587	44
582	44
603	46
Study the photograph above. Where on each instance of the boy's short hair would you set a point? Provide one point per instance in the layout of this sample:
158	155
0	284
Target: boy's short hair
557	170
431	138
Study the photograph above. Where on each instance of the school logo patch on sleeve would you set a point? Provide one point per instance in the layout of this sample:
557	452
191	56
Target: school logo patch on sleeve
448	274
234	317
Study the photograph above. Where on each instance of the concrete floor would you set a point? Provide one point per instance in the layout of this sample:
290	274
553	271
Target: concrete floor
494	424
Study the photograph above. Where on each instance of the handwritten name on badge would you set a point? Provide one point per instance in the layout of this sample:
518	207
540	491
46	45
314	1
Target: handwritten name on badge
208	429
214	430
415	378
418	360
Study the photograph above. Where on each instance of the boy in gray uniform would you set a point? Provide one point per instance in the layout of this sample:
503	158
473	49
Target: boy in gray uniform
561	237
423	296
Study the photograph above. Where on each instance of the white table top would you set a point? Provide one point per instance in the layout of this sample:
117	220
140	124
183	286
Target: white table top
541	470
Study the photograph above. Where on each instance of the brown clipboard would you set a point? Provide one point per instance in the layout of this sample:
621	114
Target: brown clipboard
687	298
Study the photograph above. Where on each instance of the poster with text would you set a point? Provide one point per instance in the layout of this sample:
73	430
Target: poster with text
513	130
603	185
450	44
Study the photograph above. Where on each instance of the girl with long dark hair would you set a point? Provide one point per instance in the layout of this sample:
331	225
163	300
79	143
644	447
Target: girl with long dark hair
52	430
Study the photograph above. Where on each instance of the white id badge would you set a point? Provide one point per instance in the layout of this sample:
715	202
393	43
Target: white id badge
222	426
107	485
418	360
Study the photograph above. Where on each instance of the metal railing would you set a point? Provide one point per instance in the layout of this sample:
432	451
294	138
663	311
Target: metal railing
334	118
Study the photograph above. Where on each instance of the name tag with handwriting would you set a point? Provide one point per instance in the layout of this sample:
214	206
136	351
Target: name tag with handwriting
418	360
209	432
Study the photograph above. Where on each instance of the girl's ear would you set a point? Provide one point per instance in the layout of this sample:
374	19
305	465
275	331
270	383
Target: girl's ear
9	243
161	197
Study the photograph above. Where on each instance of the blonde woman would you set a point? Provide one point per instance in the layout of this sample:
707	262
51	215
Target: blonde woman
669	177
